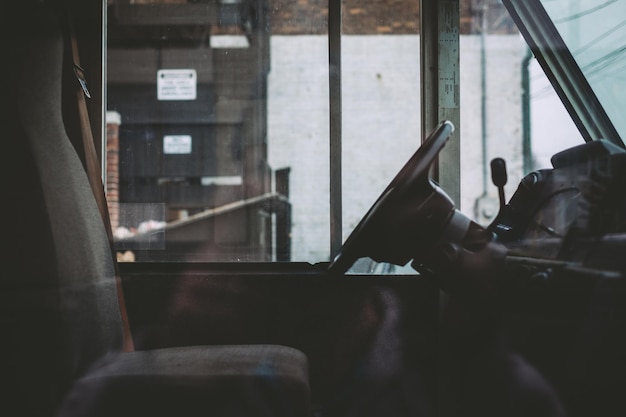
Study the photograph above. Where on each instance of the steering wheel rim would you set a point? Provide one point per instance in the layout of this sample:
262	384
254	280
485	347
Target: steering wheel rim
412	176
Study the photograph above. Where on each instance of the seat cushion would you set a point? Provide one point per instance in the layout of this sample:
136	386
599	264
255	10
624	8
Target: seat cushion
240	380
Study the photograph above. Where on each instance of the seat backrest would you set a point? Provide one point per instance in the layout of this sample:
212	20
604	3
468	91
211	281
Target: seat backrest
63	294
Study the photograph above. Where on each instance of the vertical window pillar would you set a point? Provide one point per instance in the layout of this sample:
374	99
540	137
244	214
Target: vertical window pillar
334	61
440	84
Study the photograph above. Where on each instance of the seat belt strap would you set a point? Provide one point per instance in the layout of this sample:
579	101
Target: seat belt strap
92	166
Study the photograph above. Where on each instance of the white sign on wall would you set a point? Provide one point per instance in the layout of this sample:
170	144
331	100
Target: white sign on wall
176	84
177	144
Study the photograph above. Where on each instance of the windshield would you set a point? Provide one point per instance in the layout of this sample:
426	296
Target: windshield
595	33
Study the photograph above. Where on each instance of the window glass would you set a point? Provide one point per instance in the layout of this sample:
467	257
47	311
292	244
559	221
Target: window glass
298	120
508	108
223	124
218	121
218	130
595	33
380	99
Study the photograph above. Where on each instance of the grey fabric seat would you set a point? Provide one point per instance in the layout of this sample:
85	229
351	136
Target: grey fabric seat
194	381
59	312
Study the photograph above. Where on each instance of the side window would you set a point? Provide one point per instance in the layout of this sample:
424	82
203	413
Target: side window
221	115
188	100
221	143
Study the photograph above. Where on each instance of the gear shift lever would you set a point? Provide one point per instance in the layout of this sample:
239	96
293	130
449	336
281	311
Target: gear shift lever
499	178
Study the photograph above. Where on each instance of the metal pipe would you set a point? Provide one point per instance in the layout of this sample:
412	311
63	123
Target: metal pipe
483	95
527	161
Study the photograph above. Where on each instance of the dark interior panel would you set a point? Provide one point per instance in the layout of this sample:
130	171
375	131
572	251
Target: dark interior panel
372	330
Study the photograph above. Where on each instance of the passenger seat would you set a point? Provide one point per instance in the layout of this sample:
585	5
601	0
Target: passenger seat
59	312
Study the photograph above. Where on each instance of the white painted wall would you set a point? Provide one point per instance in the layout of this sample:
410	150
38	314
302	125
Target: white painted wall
381	122
504	55
298	137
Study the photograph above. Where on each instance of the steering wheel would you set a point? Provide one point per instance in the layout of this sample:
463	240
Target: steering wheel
407	217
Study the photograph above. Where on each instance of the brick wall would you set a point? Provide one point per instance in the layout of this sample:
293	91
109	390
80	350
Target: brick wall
298	17
113	121
365	17
377	17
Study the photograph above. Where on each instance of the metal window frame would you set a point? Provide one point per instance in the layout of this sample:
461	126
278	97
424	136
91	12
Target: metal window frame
440	85
334	84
